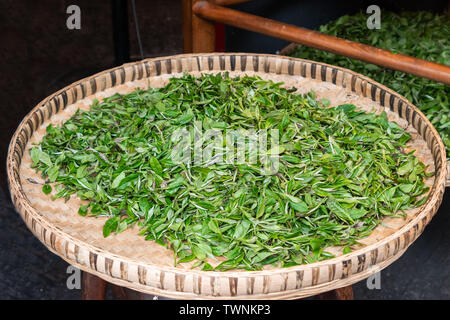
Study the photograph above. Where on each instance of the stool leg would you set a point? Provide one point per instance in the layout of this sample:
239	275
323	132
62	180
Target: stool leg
344	293
120	293
93	288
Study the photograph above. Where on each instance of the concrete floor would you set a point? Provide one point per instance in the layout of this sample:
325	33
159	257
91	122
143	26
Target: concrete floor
29	271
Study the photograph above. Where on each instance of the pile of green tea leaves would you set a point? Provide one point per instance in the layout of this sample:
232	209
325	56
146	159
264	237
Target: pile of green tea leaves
419	34
341	171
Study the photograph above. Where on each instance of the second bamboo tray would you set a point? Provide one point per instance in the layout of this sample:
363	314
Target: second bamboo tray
286	51
128	260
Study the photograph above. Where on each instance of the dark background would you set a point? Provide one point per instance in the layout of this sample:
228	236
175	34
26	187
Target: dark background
39	55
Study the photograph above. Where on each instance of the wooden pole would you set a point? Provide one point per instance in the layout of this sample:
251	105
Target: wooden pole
187	25
203	33
418	67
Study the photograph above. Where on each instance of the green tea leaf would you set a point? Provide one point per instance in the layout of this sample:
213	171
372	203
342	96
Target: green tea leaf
117	180
110	226
300	206
156	166
333	173
47	189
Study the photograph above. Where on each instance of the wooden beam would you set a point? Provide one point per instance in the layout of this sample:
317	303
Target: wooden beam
418	67
229	2
186	6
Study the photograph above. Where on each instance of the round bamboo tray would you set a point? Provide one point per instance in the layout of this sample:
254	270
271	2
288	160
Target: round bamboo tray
292	46
128	260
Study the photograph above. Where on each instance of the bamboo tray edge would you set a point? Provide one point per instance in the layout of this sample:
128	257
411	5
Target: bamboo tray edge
296	281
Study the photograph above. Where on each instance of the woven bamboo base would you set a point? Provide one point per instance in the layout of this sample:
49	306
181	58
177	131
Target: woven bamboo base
128	260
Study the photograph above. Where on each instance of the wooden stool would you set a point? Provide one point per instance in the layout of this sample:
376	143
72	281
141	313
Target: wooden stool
94	288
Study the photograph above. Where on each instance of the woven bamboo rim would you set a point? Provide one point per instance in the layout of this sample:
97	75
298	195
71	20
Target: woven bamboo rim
127	260
286	51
